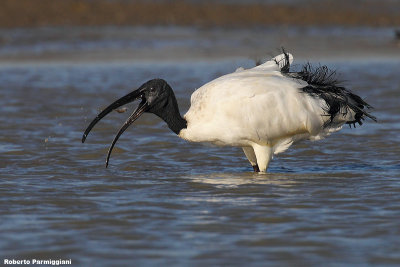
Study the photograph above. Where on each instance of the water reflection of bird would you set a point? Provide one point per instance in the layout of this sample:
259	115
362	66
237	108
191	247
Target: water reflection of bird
264	109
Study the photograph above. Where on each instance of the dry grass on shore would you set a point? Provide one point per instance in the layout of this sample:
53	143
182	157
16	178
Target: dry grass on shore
33	13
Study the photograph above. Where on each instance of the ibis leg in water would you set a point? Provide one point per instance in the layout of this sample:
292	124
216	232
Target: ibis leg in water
264	109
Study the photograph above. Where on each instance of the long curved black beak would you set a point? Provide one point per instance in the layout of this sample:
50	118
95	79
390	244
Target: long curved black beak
143	106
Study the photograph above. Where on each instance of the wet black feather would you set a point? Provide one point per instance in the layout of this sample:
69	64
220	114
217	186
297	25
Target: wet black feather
322	83
284	64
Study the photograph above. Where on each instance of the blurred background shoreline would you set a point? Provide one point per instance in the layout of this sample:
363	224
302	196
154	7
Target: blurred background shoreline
75	31
37	13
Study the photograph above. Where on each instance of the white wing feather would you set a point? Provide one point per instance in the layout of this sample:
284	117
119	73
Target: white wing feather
255	105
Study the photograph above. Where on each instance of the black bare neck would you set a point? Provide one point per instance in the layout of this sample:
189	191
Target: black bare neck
171	115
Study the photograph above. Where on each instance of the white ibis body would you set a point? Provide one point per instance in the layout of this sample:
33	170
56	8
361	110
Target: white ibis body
264	109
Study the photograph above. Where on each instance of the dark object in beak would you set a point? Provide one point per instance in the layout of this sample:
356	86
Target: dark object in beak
143	106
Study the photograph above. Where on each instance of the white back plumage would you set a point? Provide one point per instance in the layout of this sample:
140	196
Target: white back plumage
266	109
255	105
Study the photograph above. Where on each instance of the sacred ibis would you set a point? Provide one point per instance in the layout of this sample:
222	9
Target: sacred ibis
263	110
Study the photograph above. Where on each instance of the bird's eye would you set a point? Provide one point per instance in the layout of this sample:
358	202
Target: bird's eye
152	89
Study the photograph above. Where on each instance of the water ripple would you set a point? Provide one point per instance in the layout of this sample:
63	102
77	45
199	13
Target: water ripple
166	201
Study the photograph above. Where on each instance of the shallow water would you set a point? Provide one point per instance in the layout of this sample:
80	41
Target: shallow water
165	201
